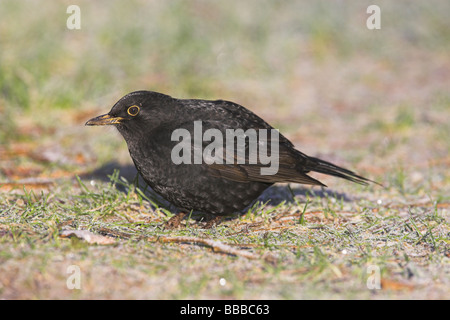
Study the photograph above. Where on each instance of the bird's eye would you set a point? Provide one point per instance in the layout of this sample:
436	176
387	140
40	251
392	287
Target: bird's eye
133	110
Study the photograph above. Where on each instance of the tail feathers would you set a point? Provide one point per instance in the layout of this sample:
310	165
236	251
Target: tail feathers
322	166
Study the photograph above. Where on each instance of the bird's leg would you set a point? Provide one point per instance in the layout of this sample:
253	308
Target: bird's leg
175	221
214	221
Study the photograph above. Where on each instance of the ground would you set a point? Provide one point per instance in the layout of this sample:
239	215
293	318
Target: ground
77	223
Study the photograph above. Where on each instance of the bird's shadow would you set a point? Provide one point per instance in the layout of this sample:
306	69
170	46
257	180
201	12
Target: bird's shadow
275	195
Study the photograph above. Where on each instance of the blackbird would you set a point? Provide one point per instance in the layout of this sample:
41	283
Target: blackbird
223	181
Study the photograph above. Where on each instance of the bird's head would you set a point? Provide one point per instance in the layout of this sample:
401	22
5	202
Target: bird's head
138	111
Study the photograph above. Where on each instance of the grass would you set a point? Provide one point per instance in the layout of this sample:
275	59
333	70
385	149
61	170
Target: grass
376	102
327	254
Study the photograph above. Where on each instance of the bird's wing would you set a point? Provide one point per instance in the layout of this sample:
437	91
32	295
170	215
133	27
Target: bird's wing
293	165
252	155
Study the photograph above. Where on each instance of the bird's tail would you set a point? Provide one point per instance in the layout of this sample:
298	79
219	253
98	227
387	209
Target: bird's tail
322	166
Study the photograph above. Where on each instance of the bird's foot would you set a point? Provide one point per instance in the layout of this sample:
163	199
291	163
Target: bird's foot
175	221
214	221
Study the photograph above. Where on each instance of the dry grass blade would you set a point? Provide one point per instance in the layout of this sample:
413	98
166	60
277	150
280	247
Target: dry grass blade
29	184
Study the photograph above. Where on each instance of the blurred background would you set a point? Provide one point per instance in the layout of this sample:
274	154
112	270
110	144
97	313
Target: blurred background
377	100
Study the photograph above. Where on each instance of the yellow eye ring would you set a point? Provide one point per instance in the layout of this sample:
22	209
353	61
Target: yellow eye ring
133	110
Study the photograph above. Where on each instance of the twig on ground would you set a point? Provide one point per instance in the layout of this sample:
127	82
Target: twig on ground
216	246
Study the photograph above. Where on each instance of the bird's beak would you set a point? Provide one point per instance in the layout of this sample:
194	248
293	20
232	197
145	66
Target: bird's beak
104	120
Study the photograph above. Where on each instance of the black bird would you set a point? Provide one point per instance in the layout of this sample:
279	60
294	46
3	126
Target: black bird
147	121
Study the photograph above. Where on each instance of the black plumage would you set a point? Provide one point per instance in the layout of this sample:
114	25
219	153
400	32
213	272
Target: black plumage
147	120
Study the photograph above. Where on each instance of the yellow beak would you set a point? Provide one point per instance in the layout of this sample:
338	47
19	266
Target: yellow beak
104	120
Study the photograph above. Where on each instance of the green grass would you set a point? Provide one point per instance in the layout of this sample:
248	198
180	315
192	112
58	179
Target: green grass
328	252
